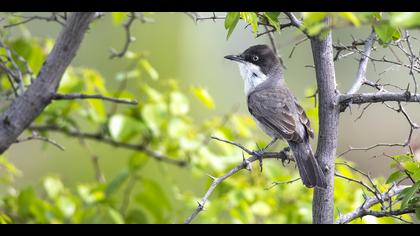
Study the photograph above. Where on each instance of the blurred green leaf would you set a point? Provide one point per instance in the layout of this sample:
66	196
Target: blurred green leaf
405	19
178	103
116	182
145	64
137	161
252	19
407	194
351	17
397	175
118	17
53	186
273	19
203	96
122	128
386	32
115	216
231	21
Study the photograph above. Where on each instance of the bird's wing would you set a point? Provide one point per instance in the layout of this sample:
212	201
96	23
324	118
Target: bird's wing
304	120
272	108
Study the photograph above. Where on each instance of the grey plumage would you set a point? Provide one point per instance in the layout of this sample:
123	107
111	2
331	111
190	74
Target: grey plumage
277	111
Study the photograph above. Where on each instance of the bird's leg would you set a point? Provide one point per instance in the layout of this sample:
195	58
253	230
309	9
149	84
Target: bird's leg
259	153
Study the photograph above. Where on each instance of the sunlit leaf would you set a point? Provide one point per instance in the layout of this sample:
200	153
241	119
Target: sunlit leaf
351	17
231	21
273	19
122	128
178	103
53	186
395	176
116	183
203	96
115	216
408	193
252	19
118	17
405	19
149	69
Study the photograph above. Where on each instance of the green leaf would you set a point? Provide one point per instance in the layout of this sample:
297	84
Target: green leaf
115	216
153	199
273	19
203	96
178	103
118	17
386	32
405	19
418	213
137	161
122	128
408	194
154	116
145	64
53	186
312	18
231	21
351	17
395	176
252	19
116	183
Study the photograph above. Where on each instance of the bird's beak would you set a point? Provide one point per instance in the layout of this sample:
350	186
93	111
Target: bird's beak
237	58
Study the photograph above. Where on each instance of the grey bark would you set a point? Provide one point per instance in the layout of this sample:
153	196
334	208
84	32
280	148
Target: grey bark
28	106
323	200
378	97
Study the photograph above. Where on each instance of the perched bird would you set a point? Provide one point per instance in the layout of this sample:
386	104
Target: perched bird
276	111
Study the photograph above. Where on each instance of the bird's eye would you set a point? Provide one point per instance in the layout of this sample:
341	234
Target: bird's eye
255	58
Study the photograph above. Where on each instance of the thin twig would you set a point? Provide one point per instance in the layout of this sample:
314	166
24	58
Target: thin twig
73	96
103	139
41	138
128	38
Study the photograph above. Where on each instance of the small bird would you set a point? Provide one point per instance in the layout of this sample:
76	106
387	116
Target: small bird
276	111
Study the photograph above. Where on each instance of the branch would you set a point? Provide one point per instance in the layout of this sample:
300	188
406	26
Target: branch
361	72
346	99
283	155
101	138
24	109
73	96
364	209
41	138
128	37
322	51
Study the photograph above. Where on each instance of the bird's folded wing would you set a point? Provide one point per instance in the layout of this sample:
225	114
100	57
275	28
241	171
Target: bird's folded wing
304	120
272	108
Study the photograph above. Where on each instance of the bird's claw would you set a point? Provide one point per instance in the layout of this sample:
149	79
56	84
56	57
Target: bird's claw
259	154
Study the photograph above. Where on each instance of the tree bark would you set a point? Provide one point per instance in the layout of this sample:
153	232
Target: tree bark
25	108
323	201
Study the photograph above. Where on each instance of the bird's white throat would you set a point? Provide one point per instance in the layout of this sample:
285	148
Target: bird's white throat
252	76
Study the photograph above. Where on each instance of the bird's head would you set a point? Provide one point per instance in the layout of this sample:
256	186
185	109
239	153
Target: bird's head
259	56
256	65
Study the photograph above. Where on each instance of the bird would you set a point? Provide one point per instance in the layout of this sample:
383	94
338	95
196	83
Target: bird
276	110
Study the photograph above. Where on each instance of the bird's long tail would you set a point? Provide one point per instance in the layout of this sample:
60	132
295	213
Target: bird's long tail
309	170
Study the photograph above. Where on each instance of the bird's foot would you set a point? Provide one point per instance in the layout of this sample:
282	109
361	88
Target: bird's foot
286	152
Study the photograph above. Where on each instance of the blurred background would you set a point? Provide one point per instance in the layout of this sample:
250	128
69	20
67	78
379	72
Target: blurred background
192	53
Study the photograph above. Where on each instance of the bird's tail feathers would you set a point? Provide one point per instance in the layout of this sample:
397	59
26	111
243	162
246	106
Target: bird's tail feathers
309	169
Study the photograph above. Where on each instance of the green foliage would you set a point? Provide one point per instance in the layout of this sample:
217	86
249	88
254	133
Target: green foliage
231	20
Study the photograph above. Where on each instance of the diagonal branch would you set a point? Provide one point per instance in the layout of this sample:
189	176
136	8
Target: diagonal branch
24	109
361	72
283	155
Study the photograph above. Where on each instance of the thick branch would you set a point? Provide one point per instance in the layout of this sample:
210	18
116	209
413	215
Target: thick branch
361	72
27	107
347	99
364	209
101	138
73	96
323	202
